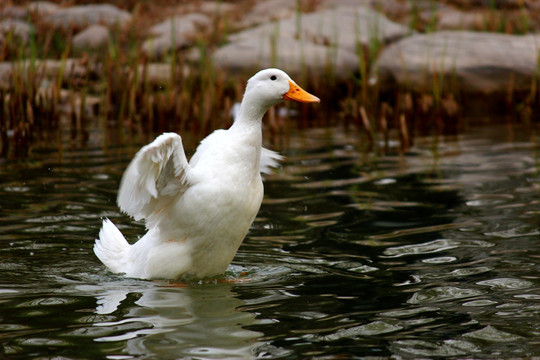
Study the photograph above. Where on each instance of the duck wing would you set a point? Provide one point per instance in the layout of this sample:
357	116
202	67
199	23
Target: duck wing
154	179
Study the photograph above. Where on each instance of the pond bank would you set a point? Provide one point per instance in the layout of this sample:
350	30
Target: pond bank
158	67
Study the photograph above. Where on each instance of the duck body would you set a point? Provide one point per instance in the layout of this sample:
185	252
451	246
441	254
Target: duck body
197	213
180	244
206	243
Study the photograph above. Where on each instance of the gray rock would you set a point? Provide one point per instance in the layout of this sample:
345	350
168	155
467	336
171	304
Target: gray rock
313	40
285	53
42	8
20	29
6	69
264	11
13	12
47	69
174	33
395	8
532	5
158	74
452	19
82	16
330	4
271	10
348	26
181	24
211	8
215	7
473	62
91	38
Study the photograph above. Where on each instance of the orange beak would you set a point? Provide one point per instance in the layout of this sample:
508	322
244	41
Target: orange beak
296	93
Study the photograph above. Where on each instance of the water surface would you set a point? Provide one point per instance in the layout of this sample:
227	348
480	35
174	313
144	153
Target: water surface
434	253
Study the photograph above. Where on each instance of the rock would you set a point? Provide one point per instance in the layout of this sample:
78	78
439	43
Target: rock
532	5
330	4
264	11
84	15
394	8
271	10
50	69
216	7
285	53
91	38
13	12
42	8
181	24
158	74
207	7
174	33
6	70
348	26
313	40
419	13
473	62
71	103
452	19
20	29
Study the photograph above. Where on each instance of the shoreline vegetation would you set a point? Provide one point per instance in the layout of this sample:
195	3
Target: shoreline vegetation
394	69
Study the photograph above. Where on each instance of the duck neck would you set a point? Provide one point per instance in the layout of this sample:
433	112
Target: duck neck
249	121
247	129
251	111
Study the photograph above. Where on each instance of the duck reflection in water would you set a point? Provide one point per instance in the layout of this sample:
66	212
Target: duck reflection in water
176	322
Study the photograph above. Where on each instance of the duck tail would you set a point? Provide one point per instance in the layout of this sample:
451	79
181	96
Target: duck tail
111	247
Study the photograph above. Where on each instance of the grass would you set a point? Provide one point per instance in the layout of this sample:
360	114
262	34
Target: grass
198	97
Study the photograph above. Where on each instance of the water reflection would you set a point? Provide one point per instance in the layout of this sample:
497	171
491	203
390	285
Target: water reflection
173	320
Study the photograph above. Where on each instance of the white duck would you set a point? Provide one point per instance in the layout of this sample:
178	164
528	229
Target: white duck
197	213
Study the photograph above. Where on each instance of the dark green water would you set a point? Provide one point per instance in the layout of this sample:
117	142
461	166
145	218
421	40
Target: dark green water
433	254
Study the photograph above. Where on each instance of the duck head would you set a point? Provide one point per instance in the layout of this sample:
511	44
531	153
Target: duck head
271	86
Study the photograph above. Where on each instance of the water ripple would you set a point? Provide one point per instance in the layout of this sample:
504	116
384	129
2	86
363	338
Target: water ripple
441	294
490	333
514	232
447	348
506	284
371	329
421	230
433	247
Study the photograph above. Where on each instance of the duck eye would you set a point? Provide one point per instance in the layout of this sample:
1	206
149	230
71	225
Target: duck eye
273	77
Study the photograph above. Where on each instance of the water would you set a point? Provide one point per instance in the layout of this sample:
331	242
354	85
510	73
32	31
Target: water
429	254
